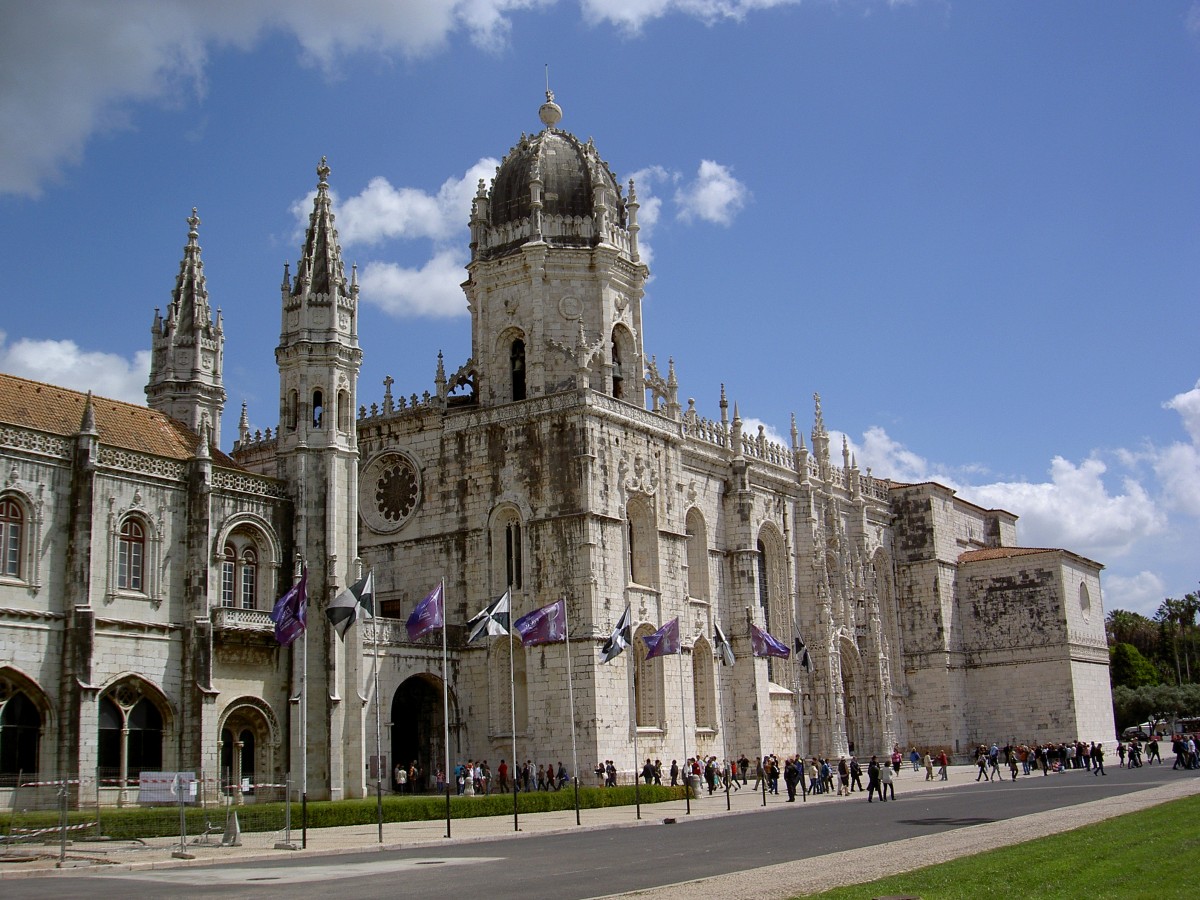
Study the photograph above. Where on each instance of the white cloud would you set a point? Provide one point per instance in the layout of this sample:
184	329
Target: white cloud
66	364
1141	592
383	212
432	290
72	68
650	205
631	15
1192	19
750	428
1075	510
713	196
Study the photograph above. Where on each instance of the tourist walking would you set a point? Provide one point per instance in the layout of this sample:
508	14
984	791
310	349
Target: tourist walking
873	780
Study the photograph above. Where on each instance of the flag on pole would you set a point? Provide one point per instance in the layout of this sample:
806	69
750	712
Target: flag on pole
492	620
663	642
429	614
621	638
354	603
290	614
547	625
802	651
724	651
763	643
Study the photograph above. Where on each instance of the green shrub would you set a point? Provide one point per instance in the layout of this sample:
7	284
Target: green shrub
132	823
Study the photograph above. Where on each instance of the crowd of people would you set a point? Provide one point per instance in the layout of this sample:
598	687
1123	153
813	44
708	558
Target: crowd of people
814	775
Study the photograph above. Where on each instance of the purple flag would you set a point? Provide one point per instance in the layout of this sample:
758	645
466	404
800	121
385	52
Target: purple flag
429	614
663	642
547	625
763	643
290	614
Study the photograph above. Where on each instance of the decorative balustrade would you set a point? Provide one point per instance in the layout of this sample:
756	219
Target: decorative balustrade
230	618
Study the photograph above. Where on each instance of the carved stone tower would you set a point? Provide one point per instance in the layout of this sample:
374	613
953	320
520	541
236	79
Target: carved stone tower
556	282
187	349
319	359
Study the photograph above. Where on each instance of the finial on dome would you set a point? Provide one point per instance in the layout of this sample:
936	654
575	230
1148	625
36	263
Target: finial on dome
550	112
323	172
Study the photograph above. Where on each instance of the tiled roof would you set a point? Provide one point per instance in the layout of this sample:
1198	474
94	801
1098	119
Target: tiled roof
59	410
989	553
992	553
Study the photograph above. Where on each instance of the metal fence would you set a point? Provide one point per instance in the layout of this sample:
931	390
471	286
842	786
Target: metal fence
97	814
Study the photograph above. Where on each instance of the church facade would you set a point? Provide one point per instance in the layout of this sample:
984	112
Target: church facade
141	562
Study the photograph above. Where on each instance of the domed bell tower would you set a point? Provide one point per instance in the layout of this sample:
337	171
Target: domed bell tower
556	283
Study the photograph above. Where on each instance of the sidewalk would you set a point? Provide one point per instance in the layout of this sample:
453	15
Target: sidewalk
155	853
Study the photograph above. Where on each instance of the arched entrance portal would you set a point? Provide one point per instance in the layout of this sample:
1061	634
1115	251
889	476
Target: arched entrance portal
857	741
418	728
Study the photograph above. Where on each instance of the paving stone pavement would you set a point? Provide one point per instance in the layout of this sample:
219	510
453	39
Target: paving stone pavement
784	880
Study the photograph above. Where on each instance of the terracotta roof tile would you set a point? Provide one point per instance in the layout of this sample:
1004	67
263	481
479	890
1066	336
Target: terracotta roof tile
59	410
989	553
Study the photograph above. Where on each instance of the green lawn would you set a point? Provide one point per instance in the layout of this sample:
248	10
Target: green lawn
1154	853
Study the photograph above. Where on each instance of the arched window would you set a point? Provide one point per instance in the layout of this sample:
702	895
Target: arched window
145	726
293	410
772	597
11	520
130	735
507	549
131	553
112	722
647	682
618	376
318	409
625	374
240	571
249	579
697	555
343	398
20	733
229	576
703	685
1085	599
516	367
512	553
643	543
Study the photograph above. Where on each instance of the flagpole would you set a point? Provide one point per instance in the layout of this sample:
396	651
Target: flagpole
512	693
637	797
571	700
446	703
378	734
683	712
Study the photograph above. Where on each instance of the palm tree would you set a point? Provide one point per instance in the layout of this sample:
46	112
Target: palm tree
1189	608
1125	627
1170	616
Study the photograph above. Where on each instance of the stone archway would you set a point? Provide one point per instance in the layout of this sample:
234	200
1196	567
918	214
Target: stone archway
418	728
248	747
858	731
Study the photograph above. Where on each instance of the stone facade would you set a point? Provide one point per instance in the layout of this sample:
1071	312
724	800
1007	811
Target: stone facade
556	462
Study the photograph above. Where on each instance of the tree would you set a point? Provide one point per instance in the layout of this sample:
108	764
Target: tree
1125	627
1128	668
1173	617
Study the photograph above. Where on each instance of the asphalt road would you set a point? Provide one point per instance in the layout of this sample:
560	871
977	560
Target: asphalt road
594	863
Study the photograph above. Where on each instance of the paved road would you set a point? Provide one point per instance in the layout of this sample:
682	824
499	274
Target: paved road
593	863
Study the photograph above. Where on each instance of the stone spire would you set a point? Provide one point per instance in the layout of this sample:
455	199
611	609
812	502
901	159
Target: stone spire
320	270
187	347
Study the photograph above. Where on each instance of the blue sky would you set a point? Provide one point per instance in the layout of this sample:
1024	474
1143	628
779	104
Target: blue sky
972	227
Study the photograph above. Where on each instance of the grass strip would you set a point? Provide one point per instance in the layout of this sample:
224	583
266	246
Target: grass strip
1153	853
